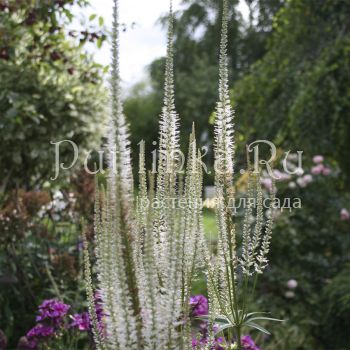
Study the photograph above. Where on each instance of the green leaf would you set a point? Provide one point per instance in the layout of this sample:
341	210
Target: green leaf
92	17
264	318
101	21
258	327
256	313
221	319
222	328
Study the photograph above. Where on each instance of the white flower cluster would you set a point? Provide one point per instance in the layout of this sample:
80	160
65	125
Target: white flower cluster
146	256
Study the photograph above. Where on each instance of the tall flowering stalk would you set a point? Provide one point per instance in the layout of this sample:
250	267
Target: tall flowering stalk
146	250
233	272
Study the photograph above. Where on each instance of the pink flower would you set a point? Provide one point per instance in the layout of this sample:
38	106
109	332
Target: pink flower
307	178
281	176
317	169
344	215
326	171
318	159
267	183
292	284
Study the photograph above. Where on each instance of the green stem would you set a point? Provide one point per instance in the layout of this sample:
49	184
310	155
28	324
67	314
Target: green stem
53	282
245	292
230	227
254	285
239	344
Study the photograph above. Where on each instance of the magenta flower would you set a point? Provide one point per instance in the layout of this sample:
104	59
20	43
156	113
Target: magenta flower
218	342
215	344
40	331
198	342
248	343
199	305
81	321
98	306
52	309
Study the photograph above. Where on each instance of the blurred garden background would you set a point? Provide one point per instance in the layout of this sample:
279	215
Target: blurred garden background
290	84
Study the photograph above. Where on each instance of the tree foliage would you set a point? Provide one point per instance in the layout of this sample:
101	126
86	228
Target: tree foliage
50	88
298	94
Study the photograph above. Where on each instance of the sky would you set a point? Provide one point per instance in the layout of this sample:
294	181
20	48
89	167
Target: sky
142	43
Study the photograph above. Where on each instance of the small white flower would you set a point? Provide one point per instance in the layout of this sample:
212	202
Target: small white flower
301	182
289	294
292	185
299	171
58	195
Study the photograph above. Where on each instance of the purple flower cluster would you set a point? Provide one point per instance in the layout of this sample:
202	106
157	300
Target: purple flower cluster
40	331
52	310
199	307
215	344
220	343
51	317
81	321
98	307
248	343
